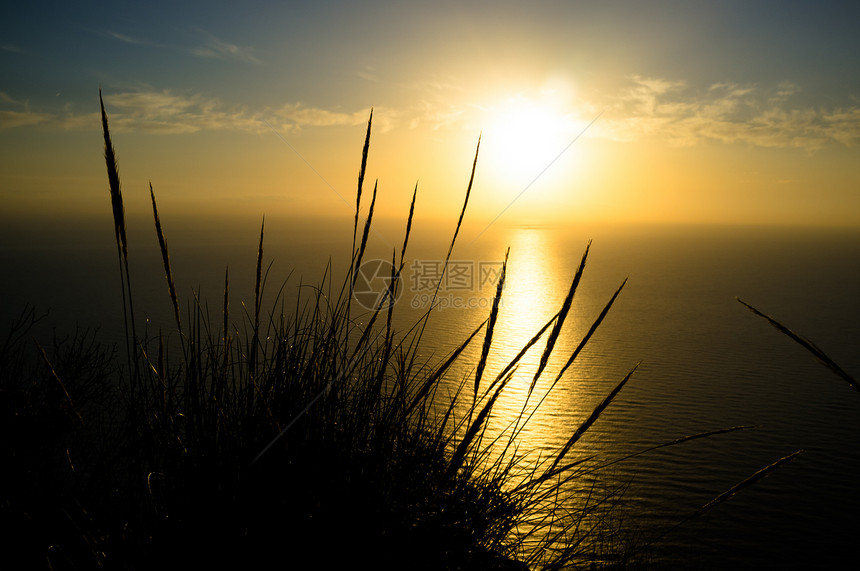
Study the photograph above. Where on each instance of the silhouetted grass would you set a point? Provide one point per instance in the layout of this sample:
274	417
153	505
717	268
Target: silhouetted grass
300	438
822	357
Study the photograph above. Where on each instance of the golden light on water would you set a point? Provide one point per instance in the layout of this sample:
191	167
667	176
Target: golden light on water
531	291
534	292
527	428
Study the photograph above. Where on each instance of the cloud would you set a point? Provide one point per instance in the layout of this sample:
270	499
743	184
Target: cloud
143	110
136	41
216	48
12	119
13	49
168	112
212	47
671	111
128	39
296	115
20	114
437	116
646	109
655	109
6	98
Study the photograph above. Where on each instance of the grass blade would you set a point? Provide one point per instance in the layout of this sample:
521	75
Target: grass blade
591	419
426	316
440	370
255	334
562	314
459	455
590	332
524	350
808	345
364	237
745	483
165	258
113	181
728	494
488	337
408	228
361	171
56	377
121	239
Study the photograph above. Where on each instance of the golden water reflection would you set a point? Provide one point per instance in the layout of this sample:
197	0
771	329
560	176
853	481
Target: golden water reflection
543	421
534	292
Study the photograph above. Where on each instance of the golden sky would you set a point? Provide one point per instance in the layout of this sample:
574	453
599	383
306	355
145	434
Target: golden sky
730	112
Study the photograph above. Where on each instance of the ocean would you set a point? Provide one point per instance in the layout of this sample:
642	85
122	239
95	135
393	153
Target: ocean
704	361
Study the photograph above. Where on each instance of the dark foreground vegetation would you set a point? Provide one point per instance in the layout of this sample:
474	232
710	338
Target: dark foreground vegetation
300	437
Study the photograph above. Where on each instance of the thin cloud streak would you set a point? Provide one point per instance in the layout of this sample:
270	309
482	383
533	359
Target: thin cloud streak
137	41
128	39
13	49
12	119
646	110
20	114
212	47
295	116
219	49
166	112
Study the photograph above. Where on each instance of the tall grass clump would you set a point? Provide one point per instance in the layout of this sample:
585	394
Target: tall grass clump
301	437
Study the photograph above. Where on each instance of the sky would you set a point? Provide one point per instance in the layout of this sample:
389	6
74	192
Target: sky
731	112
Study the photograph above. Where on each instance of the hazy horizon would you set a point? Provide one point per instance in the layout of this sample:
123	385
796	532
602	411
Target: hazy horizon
96	229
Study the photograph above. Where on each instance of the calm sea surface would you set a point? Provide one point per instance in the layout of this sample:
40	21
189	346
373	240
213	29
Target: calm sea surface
706	362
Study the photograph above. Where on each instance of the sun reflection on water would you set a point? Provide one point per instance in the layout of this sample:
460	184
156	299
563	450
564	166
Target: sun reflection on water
532	420
534	291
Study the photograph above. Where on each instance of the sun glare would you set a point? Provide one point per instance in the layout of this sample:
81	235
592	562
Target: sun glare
523	137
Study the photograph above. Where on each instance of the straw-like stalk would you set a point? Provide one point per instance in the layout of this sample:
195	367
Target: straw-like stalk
364	237
731	492
747	482
361	172
62	386
165	258
121	238
426	316
808	345
595	414
258	282
491	325
559	322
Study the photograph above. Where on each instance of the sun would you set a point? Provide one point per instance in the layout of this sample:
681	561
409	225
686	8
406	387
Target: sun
524	138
